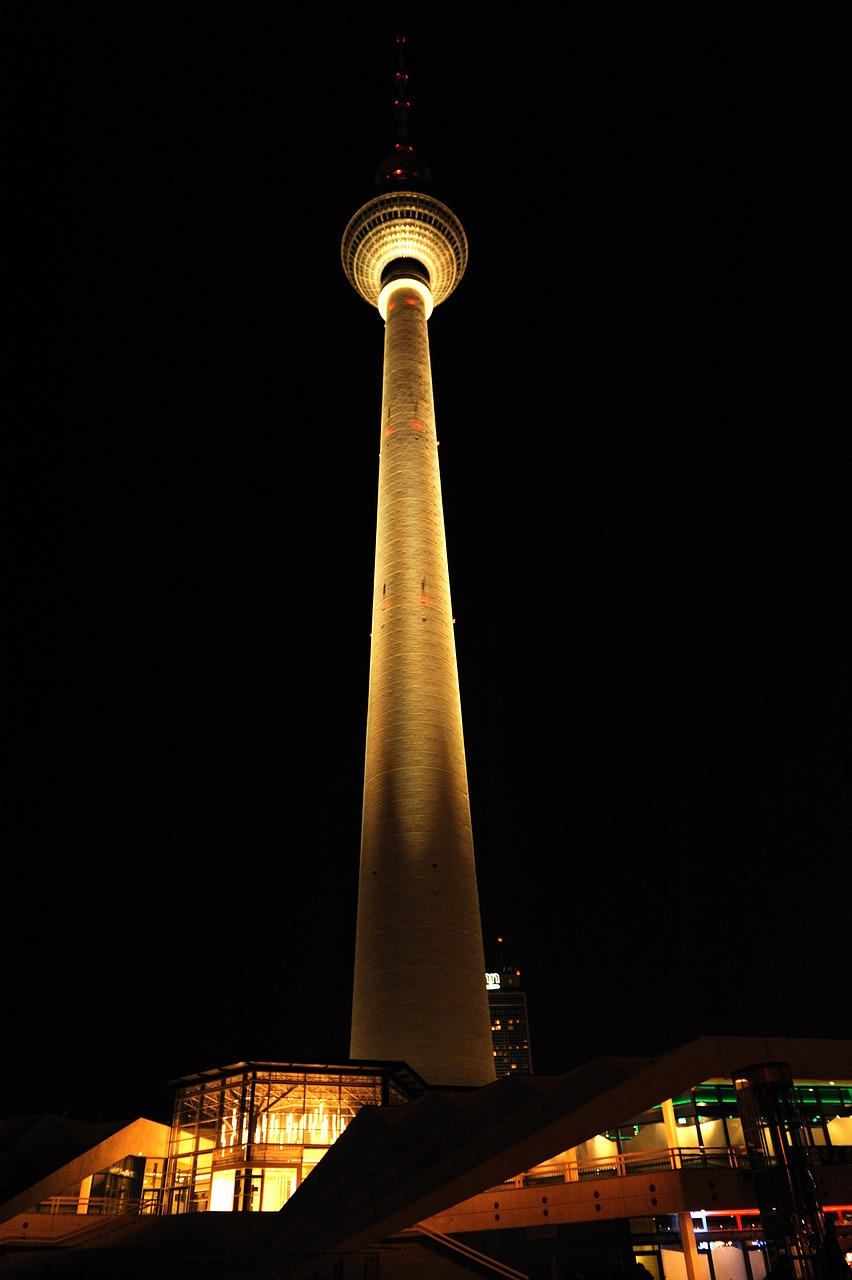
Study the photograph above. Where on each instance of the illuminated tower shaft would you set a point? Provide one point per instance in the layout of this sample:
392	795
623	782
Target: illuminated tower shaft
419	991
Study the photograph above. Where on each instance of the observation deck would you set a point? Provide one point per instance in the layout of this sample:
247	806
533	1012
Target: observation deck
398	225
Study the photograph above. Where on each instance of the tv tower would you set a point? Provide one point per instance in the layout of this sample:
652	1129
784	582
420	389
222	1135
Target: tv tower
419	990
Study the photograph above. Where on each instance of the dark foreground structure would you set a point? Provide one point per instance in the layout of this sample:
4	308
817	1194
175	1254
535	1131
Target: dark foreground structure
725	1159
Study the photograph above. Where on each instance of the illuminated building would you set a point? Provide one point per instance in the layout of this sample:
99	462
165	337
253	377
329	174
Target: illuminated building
720	1160
419	959
244	1137
510	1030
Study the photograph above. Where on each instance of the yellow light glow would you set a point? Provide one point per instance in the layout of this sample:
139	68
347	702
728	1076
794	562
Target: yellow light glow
405	282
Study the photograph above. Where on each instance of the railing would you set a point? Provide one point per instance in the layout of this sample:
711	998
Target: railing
620	1166
85	1206
661	1160
61	1219
257	1153
460	1250
159	1200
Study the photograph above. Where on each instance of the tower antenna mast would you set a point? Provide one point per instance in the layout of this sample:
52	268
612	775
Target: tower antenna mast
401	105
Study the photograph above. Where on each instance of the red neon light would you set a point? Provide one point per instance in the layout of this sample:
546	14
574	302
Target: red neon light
416	426
389	431
412	302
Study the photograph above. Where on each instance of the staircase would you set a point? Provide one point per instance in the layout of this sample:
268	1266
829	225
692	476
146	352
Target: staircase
421	1254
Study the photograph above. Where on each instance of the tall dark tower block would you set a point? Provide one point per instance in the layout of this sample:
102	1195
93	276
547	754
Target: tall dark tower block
419	992
510	1028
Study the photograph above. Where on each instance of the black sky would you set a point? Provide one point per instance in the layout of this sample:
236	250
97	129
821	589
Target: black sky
638	394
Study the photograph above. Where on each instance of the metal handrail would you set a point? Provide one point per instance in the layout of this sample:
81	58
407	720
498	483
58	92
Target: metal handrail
620	1165
95	1206
465	1251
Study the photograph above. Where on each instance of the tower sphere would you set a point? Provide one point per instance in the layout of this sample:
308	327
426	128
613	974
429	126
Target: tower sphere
404	224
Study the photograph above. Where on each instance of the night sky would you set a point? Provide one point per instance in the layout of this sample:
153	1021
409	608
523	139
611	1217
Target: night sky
638	396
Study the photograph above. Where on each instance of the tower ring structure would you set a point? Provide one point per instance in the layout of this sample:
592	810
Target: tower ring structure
404	225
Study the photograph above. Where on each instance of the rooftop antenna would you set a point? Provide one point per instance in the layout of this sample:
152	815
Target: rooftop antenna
403	167
401	105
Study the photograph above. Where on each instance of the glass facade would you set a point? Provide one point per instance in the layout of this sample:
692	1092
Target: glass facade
244	1137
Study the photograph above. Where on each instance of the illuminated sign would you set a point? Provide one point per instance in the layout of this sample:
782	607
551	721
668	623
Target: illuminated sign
492	982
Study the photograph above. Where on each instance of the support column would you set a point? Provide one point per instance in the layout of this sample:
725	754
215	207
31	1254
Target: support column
684	1220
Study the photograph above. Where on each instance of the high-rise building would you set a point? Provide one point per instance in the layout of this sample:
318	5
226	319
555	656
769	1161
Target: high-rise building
510	1028
418	993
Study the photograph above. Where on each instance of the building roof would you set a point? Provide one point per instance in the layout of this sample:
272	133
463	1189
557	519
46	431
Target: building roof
402	1075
